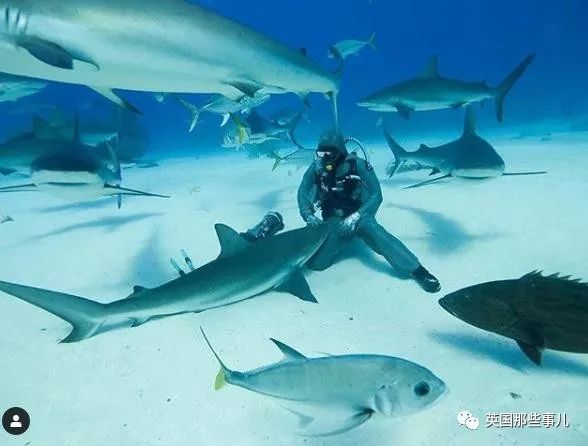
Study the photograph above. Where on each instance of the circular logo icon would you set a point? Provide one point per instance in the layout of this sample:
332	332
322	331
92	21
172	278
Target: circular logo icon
16	421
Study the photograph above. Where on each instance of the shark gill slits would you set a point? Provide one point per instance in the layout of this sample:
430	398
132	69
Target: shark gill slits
422	389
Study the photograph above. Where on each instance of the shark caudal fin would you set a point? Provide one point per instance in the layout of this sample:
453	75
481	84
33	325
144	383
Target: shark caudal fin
400	155
292	125
224	372
507	84
86	316
194	111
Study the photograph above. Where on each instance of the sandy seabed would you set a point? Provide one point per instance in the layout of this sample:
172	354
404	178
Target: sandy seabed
153	385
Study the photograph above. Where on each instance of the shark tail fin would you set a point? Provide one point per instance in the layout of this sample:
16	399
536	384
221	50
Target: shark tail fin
278	159
84	315
400	155
507	84
372	41
222	378
293	125
194	111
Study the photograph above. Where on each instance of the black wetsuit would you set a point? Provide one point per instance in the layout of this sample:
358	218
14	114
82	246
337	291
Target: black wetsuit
351	187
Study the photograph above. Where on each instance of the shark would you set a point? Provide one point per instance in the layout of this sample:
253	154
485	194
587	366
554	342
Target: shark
431	91
469	157
165	46
13	88
242	270
355	386
70	170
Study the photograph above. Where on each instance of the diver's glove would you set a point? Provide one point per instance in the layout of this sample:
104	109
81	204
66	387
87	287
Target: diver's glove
313	220
348	226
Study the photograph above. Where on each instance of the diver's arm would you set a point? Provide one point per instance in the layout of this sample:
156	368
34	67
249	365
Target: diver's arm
374	191
305	194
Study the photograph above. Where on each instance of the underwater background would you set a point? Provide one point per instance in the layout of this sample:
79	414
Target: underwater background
154	384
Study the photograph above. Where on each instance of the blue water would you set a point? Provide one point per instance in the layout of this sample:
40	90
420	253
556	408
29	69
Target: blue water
475	40
501	228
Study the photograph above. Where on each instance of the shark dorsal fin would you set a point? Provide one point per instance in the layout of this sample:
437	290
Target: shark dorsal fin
424	147
289	353
469	125
42	129
432	68
138	289
230	240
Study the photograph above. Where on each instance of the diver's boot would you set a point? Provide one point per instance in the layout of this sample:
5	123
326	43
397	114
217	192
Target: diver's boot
426	280
270	225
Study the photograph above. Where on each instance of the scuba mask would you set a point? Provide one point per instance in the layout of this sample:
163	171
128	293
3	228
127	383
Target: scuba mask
328	157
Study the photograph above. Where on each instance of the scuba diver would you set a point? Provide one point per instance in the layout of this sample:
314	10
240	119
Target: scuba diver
347	192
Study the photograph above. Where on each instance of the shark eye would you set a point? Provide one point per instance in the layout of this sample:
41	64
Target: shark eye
422	389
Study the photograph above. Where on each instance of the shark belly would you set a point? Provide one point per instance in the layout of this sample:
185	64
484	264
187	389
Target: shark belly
170	46
69	185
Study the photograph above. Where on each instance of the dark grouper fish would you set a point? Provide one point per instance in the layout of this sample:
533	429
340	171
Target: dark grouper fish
538	312
356	386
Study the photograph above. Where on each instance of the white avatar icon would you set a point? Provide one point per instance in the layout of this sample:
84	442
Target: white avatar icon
465	418
16	422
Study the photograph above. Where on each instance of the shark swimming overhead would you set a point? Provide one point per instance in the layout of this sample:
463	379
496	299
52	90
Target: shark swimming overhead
431	91
355	387
167	46
243	270
469	157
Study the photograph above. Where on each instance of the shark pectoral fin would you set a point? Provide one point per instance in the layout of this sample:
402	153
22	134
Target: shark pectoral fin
515	174
6	171
20	188
118	190
112	96
423	183
53	54
48	52
297	285
230	241
289	353
247	88
532	352
404	110
351	423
